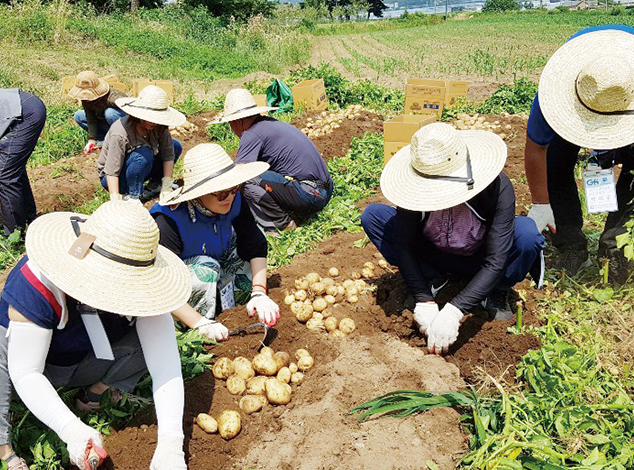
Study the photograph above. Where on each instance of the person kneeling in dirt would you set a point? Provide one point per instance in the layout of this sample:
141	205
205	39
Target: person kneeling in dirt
209	225
99	105
88	307
455	215
139	147
297	183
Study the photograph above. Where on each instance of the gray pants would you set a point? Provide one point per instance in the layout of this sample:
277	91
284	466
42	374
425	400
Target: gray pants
123	373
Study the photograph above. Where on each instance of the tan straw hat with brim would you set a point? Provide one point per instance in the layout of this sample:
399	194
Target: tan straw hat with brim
152	105
207	168
110	260
586	91
88	87
239	103
442	168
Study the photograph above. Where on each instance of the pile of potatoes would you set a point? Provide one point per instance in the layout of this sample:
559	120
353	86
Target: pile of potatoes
330	120
185	130
476	121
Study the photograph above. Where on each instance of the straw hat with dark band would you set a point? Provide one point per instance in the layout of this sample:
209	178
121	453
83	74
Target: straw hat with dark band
442	168
586	91
239	103
110	260
207	168
88	87
152	105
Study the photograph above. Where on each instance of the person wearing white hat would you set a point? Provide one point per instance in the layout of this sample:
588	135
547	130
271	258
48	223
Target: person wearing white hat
585	99
99	108
209	225
89	306
454	216
297	183
139	147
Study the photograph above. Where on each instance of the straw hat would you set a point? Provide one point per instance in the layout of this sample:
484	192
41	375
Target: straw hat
88	86
124	271
207	168
586	90
152	105
239	103
442	168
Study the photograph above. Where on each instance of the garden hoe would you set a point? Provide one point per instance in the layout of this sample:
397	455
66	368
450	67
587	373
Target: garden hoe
269	333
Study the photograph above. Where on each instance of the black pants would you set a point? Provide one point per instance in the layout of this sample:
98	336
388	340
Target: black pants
16	146
564	197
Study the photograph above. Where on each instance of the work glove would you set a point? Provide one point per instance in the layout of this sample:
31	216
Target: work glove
267	310
443	331
424	314
543	216
90	146
212	329
166	188
169	454
80	439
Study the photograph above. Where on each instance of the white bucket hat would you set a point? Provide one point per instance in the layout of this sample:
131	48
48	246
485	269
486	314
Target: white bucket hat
110	260
586	91
152	105
207	168
88	86
239	103
442	168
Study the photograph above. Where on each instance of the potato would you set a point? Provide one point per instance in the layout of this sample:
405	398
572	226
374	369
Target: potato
313	278
255	385
335	334
331	323
330	299
289	299
229	424
347	325
347	283
284	375
315	325
252	403
369	265
308	302
333	272
301	284
305	363
267	350
223	368
327	313
352	290
297	378
317	316
301	353
332	290
207	423
300	295
296	307
242	367
367	273
360	284
236	385
264	364
355	275
305	314
318	288
353	299
319	304
328	282
282	359
292	367
277	393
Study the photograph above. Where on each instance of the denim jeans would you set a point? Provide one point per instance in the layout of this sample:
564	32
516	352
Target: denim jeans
110	114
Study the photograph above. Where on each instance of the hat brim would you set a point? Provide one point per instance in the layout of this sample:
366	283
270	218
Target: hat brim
402	186
165	117
558	98
243	114
89	94
103	283
240	173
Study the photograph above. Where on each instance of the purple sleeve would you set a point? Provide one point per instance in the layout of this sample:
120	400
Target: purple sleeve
537	128
250	148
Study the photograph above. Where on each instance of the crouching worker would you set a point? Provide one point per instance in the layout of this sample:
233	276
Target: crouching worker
88	306
209	225
455	215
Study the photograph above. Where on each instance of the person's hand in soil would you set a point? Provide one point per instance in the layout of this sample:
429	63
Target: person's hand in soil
443	331
267	310
424	315
80	439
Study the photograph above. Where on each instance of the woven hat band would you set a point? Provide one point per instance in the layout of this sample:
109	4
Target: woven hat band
458	179
133	105
203	181
243	109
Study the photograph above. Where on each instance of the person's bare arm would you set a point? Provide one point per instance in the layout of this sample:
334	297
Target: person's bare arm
535	166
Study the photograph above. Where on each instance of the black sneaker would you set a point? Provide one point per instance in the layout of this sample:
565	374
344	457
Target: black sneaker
152	190
619	268
573	260
497	305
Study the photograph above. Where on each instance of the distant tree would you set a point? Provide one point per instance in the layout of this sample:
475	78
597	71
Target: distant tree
527	5
492	6
376	7
241	10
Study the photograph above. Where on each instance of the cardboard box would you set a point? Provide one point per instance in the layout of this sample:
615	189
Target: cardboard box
310	94
390	149
454	89
424	99
260	100
398	132
113	81
167	85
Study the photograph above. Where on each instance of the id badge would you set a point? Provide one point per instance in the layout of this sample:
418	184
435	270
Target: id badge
600	190
227	298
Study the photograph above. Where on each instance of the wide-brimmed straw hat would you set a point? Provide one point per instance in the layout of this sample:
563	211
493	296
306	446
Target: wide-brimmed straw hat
442	167
152	105
239	103
88	86
586	91
207	168
110	260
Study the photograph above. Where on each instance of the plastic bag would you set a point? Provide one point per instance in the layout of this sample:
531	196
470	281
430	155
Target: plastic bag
279	94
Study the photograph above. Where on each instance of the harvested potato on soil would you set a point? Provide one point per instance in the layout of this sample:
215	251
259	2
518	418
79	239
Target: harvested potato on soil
297	307
314	324
353	299
330	299
223	368
207	423
313	278
334	334
333	272
327	313
264	364
292	367
369	265
317	316
305	313
318	288
267	350
360	284
301	284
282	359
347	283
367	273
278	393
289	299
383	263
242	367
301	353
297	378
236	385
331	323
347	325
320	304
252	403
300	295
341	290
355	275
284	375
229	424
332	290
305	363
255	385
352	290
328	282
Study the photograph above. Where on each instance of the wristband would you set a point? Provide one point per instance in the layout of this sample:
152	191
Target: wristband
266	291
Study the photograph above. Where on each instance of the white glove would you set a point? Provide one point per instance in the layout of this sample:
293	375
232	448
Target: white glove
169	454
90	146
543	216
166	187
267	310
77	437
424	314
212	329
443	331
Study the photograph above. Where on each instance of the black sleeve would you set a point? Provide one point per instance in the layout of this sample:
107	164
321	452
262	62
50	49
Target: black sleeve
499	240
250	239
407	235
170	236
